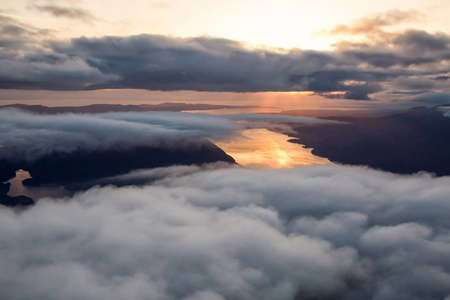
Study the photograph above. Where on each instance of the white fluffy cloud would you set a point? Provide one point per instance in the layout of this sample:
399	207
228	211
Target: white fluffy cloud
29	136
324	232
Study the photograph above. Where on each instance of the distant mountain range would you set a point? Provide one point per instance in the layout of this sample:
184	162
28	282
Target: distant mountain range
407	142
103	108
327	113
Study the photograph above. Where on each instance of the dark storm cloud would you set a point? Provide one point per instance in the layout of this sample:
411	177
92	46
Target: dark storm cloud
205	64
361	91
155	62
433	98
419	84
161	63
17	36
28	64
355	84
12	27
385	59
408	51
158	62
415	51
325	232
422	41
67	12
442	78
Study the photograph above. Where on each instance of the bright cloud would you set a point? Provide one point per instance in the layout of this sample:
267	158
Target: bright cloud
328	232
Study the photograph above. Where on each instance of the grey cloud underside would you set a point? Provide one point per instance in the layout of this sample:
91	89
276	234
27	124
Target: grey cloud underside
65	11
436	98
326	232
156	62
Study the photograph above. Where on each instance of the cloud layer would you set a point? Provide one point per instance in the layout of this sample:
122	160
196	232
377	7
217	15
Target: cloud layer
327	232
29	136
387	63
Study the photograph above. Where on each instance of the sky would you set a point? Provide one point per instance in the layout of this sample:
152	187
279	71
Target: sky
283	23
220	230
389	52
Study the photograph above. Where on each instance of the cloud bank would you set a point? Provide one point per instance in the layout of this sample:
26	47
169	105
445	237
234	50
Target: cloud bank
326	232
28	136
387	63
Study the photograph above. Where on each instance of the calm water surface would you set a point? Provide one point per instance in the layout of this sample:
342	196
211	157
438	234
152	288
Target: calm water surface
262	148
35	193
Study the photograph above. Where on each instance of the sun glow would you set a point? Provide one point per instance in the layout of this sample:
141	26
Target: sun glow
261	148
274	28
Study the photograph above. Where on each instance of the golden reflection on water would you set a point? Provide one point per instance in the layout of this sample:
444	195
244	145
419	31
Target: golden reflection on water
35	193
231	111
261	148
17	188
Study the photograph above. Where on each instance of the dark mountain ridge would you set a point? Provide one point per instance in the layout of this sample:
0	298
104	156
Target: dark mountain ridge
82	169
104	108
407	142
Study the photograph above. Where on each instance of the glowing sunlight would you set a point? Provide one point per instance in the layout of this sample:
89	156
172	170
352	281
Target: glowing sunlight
261	148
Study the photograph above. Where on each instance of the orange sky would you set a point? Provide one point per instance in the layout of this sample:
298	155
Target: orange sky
273	101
